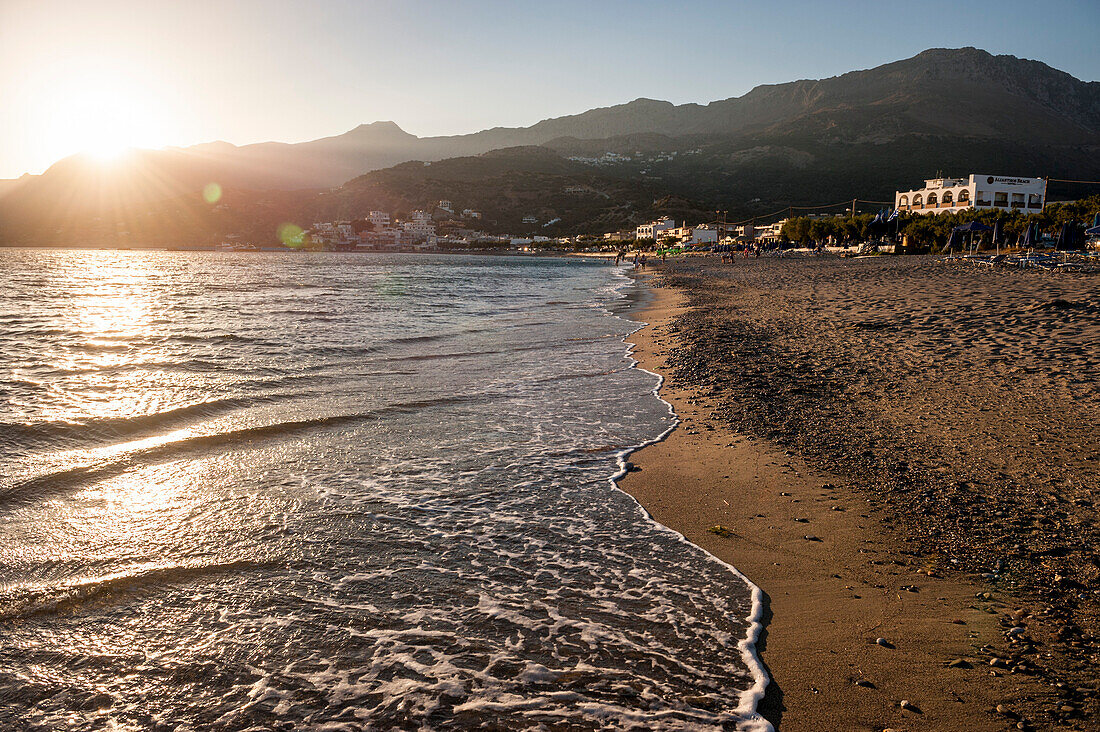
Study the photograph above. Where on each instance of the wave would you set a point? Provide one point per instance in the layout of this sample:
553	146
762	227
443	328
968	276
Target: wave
98	431
244	438
66	597
751	697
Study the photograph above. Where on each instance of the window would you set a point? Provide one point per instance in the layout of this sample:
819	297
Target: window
1034	201
1000	198
1017	200
931	199
947	198
964	196
917	200
903	201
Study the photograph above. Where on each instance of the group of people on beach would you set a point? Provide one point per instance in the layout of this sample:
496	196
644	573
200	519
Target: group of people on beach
753	250
639	260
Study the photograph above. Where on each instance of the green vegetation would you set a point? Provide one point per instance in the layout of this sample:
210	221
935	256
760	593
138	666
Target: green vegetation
807	230
930	232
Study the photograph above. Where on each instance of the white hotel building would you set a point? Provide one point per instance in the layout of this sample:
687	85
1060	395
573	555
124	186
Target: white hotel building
654	229
948	195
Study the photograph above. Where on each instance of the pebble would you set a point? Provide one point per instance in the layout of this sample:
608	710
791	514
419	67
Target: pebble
865	684
998	663
1018	630
811	537
802	521
1002	709
958	663
884	643
909	706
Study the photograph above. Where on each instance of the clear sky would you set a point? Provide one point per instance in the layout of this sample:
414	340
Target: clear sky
100	74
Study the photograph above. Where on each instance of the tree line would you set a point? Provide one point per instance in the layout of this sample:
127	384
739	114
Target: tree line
930	232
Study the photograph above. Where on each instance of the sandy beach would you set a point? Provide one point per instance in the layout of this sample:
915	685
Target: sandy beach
902	455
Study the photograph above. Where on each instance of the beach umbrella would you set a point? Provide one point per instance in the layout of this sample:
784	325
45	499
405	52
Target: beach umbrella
971	228
954	240
1032	239
1065	237
1026	239
998	234
1094	231
1096	221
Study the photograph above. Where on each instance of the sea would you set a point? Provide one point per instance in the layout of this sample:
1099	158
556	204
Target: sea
275	491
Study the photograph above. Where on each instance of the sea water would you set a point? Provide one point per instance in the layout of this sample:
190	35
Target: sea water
331	491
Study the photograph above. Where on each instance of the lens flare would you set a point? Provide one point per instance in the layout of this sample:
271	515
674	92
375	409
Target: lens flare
212	193
291	235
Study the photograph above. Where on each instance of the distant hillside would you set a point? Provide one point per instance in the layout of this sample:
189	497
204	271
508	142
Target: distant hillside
802	143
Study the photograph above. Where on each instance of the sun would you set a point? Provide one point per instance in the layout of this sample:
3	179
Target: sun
106	140
102	115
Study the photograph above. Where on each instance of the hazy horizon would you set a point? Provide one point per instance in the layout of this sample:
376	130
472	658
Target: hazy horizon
84	79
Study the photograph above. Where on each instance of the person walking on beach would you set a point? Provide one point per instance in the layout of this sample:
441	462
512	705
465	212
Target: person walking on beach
643	261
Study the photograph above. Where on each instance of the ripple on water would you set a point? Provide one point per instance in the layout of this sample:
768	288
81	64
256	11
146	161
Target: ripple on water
361	508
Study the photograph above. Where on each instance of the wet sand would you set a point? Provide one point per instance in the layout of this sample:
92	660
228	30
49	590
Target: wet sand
894	449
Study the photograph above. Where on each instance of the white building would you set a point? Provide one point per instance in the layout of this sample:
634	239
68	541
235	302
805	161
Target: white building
947	195
469	213
654	228
446	206
380	219
702	234
419	228
769	234
329	232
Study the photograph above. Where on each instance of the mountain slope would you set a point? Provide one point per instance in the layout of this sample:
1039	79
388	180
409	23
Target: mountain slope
801	143
965	92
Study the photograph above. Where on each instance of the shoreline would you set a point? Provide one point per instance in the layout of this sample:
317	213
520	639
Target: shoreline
751	698
834	578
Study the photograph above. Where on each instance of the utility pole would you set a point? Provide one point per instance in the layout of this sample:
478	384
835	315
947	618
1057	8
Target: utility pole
854	209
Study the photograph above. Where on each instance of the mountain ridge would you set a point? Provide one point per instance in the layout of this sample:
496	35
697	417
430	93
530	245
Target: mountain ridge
789	143
904	91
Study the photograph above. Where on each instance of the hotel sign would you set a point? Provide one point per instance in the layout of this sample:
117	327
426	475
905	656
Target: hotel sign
1010	181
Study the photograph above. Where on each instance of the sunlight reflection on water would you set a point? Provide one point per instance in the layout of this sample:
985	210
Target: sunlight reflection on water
323	490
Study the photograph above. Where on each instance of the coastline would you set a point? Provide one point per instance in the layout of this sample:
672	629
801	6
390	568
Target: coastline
748	645
835	578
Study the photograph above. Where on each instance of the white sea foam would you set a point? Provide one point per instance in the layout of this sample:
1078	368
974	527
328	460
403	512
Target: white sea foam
747	645
436	548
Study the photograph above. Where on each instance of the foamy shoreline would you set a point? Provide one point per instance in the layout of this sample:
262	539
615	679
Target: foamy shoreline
834	577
